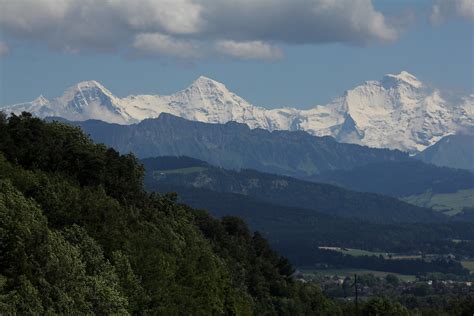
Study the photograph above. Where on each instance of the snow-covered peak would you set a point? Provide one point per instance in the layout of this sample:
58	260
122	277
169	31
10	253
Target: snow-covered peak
205	86
397	112
404	77
41	100
203	80
211	101
86	88
90	84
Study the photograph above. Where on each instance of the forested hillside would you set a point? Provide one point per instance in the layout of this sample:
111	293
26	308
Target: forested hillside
298	216
402	178
78	235
165	172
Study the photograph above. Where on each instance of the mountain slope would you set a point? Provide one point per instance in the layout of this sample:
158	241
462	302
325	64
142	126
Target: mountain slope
397	112
80	236
297	232
399	178
236	146
83	101
455	151
293	215
162	173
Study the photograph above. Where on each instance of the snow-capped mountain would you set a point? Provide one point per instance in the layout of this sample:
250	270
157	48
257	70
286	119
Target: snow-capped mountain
397	112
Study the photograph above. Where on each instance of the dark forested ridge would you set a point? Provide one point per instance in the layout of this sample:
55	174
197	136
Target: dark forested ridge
402	178
78	235
455	151
163	172
298	216
297	232
296	154
235	146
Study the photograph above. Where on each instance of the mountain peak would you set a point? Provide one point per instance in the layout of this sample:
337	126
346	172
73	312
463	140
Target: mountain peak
86	90
373	114
92	84
41	100
206	83
404	77
205	79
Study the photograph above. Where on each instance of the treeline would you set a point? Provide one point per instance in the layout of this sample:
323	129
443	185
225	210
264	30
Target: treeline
295	232
404	266
406	178
79	235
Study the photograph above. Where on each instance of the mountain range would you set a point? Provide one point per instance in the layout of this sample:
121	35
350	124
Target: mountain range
235	146
397	112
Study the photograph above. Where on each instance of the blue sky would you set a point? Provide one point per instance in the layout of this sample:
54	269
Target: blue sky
299	69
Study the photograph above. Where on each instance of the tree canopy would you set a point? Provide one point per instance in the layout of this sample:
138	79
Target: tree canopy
79	235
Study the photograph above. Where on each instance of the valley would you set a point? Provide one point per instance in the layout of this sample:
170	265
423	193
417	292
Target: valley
304	220
237	158
330	211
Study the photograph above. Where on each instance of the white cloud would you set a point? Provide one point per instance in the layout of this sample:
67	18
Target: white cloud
166	16
4	49
156	44
298	21
443	10
98	25
242	28
249	50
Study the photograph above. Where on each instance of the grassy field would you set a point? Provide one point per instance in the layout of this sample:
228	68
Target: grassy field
361	252
453	202
351	272
468	265
406	257
355	252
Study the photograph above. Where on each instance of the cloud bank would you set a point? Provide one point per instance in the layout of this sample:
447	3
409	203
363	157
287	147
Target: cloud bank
152	44
446	9
244	29
249	50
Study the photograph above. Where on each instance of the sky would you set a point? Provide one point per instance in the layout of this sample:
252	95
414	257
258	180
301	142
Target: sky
273	53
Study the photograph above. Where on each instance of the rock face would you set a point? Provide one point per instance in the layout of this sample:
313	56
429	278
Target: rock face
397	112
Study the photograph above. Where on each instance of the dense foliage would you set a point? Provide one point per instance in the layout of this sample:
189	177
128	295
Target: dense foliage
297	233
78	235
425	296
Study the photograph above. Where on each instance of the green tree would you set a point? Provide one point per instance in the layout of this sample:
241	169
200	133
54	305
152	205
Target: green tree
382	306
